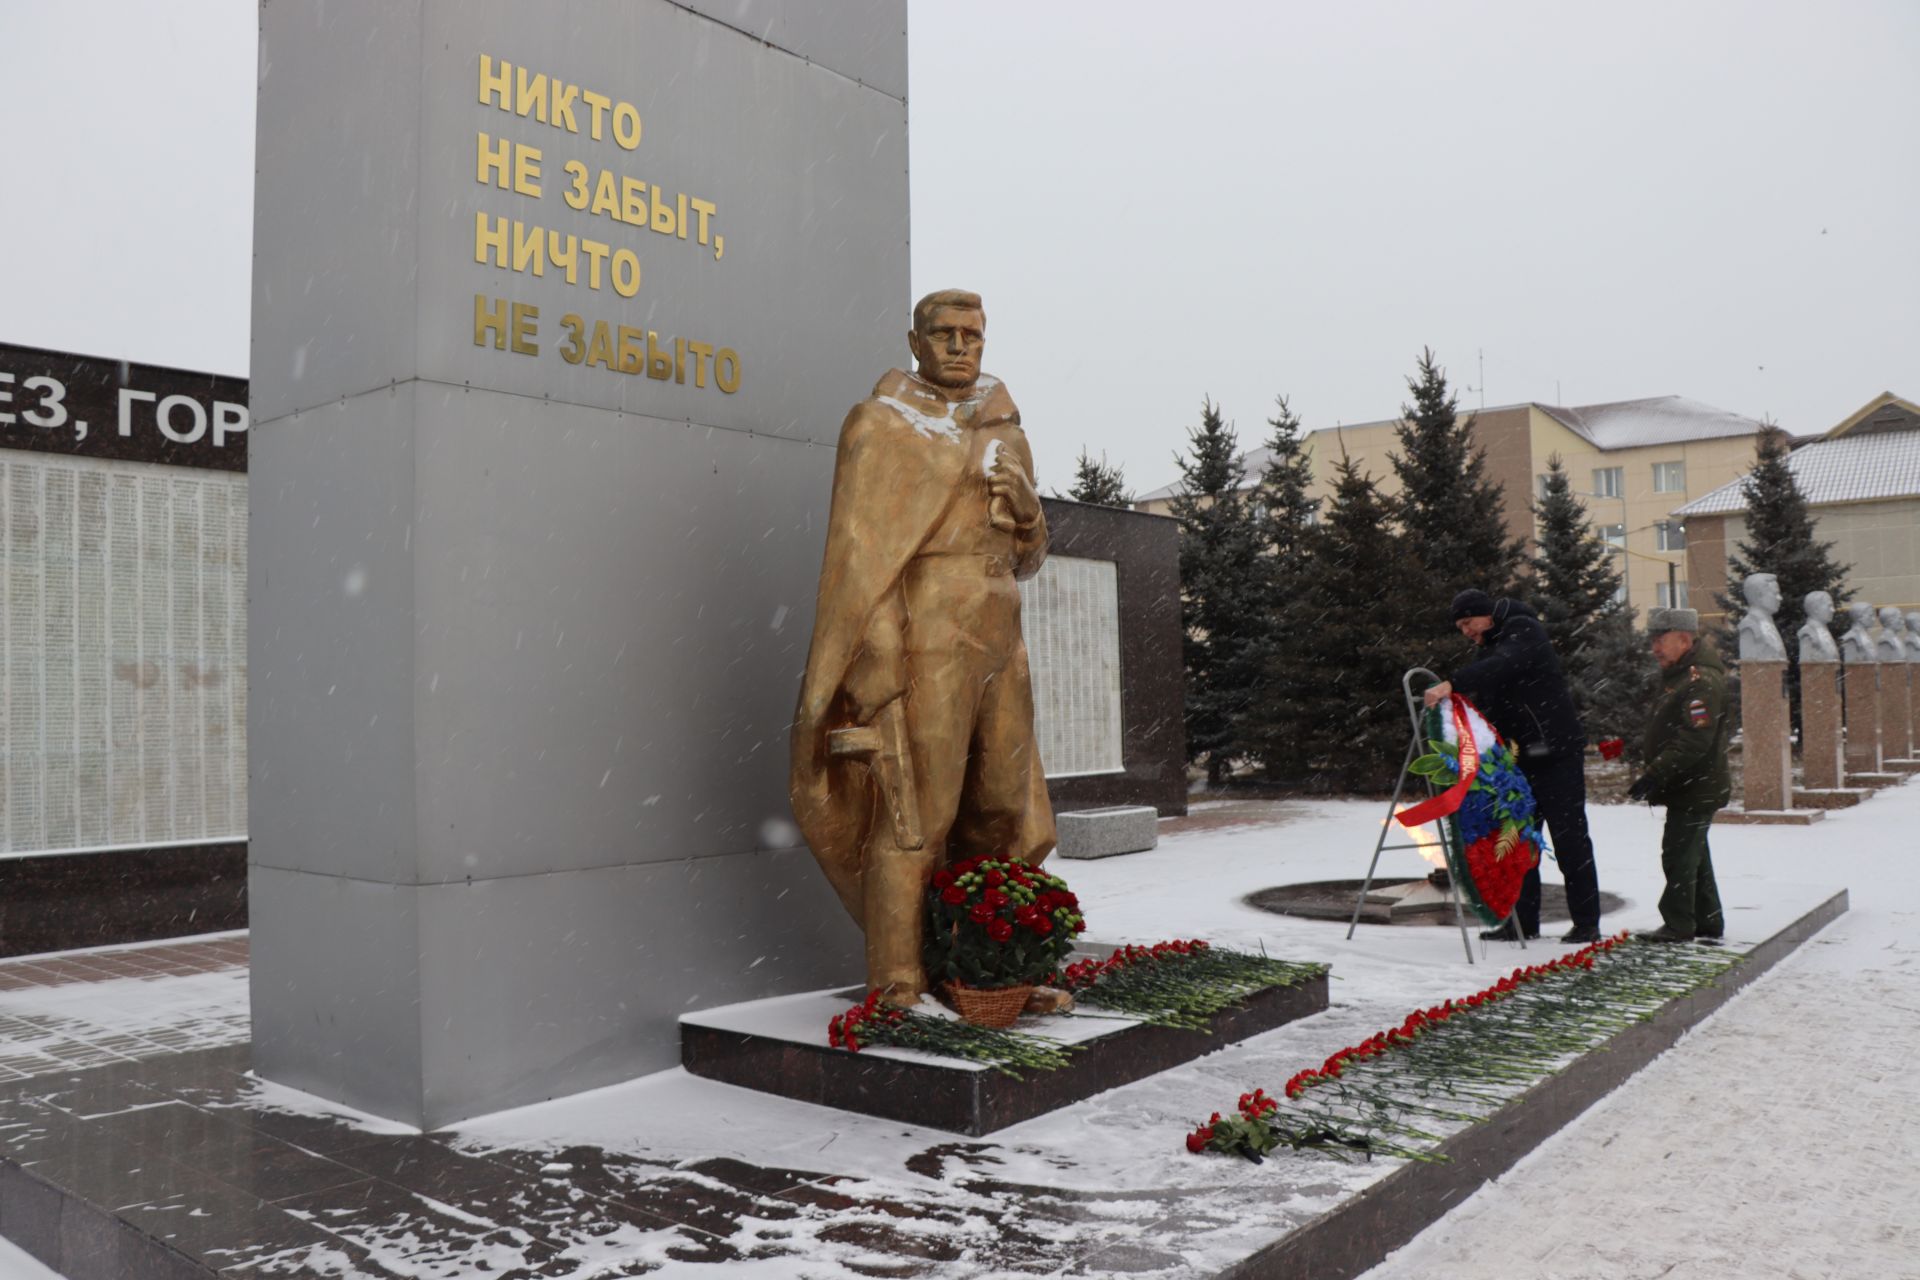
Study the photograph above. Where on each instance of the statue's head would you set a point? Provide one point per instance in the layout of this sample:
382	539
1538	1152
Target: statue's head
1819	606
1913	624
1762	593
1860	613
949	334
1890	619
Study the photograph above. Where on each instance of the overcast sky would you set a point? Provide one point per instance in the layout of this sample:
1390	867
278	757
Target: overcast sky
1163	202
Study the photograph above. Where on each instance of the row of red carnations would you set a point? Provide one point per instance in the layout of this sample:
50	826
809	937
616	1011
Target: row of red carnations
845	1030
1082	974
1257	1105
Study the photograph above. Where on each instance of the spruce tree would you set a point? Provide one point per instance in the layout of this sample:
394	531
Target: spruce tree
1780	540
1221	592
1286	515
1575	590
1452	515
1098	483
1346	628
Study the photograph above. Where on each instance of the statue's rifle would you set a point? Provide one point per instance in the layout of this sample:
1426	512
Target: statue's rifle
883	745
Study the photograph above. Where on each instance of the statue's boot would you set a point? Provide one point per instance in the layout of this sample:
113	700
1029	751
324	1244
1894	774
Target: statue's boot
895	888
1049	1000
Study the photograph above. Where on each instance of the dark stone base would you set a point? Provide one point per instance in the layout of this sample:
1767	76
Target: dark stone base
968	1101
1875	781
57	902
1828	797
1357	1234
1769	817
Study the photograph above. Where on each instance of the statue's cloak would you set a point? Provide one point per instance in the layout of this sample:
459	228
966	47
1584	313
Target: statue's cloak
890	491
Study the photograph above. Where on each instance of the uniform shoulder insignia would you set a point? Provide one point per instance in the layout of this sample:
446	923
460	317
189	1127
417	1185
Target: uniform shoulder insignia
1697	714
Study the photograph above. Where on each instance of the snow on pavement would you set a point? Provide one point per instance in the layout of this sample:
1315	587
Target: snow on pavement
1781	1138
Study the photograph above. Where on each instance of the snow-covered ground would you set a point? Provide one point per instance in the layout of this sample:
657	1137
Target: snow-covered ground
1776	1140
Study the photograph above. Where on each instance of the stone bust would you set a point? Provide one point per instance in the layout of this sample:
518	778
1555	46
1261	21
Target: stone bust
1816	638
1759	637
1893	636
1913	637
1857	644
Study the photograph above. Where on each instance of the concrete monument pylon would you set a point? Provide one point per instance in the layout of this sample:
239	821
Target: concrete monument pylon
1860	686
1765	725
1896	700
1821	767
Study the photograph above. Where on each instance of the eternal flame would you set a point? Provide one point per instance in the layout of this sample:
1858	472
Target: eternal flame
913	742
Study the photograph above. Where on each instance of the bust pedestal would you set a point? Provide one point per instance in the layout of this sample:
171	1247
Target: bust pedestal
1862	691
1895	731
1820	767
1764	725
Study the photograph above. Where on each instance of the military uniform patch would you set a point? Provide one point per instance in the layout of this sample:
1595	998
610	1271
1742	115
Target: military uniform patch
1697	714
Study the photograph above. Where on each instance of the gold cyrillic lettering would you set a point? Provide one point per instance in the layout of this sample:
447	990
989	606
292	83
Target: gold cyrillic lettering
529	248
702	352
682	223
633	202
491	84
596	254
726	370
524	315
680	361
575	351
486	236
600	351
606	196
576	194
626	272
659	363
633	353
489	317
532	95
706	209
563	98
526	170
491	162
596	123
626	125
568	261
663	219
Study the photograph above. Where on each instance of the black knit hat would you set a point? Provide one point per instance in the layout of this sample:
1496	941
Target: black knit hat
1472	603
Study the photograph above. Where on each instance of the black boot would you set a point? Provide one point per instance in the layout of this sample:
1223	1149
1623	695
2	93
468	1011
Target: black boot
1505	933
1580	934
1662	934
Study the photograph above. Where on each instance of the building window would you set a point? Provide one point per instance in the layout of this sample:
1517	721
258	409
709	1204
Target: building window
1615	535
1669	477
1609	482
1670	535
1670	598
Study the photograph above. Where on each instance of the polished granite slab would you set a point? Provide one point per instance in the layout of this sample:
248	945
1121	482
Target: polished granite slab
779	1045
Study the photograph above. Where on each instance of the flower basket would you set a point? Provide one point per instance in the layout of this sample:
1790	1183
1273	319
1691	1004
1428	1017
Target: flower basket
997	924
988	1006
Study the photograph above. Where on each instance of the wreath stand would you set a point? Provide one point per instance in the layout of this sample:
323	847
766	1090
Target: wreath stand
1445	829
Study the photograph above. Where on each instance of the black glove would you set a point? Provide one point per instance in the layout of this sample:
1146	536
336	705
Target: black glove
1642	788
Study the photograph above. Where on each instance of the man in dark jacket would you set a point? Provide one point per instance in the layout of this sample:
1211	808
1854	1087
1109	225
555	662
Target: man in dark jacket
1519	687
1686	753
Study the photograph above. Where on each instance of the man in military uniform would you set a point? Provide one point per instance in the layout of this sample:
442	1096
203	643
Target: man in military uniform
913	742
1686	752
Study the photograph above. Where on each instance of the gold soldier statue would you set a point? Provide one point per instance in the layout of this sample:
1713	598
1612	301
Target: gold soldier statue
913	742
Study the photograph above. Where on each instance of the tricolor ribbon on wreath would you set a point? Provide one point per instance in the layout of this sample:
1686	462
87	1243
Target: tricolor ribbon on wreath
1486	802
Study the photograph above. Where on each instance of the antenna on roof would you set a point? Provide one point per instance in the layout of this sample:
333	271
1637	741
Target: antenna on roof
1482	388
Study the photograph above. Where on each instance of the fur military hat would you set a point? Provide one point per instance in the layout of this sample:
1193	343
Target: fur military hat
1660	620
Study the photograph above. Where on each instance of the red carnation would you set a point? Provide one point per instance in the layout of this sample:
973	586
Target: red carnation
980	913
953	895
999	930
995	899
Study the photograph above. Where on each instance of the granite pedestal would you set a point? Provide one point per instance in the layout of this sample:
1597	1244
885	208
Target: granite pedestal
1821	767
1896	734
780	1046
1765	725
1861	687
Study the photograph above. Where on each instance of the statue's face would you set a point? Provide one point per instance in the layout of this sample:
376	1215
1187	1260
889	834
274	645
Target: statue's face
1763	594
1890	619
1819	607
1860	613
1913	624
948	348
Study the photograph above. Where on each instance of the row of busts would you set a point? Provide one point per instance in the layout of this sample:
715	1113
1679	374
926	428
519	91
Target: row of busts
1898	641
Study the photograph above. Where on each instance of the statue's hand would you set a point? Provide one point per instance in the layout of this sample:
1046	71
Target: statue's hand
1008	480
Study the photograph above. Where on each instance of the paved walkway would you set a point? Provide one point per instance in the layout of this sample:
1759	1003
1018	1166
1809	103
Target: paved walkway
97	1007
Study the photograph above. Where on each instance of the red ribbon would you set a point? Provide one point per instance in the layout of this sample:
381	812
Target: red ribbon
1449	801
